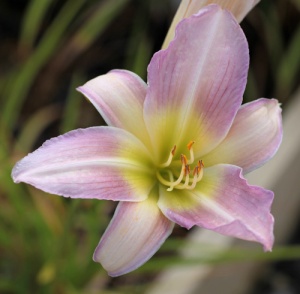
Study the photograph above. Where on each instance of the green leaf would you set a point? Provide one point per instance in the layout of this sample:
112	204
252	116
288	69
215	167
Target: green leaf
26	74
32	20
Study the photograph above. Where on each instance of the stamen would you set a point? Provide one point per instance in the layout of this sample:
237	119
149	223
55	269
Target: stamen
190	147
182	173
189	183
168	162
198	174
171	177
187	179
173	150
196	171
195	178
162	180
200	164
190	144
187	170
183	159
200	168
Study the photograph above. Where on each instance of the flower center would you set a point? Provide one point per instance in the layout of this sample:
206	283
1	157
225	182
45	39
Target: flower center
183	180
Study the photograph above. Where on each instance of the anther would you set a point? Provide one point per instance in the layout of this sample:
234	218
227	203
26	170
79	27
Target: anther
173	150
183	159
190	144
200	164
187	170
190	147
200	168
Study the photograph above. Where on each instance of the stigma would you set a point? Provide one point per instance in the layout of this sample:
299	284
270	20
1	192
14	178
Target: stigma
186	179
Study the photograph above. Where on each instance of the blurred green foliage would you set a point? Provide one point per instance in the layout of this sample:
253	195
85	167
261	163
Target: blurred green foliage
47	49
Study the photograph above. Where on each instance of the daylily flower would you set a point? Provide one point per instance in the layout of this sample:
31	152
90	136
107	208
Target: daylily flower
239	8
174	150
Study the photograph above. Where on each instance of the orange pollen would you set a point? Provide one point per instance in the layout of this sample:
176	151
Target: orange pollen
173	150
187	170
200	164
190	144
183	159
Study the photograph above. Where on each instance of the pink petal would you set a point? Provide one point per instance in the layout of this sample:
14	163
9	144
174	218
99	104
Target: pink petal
196	84
135	233
223	202
99	162
254	137
119	97
239	8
